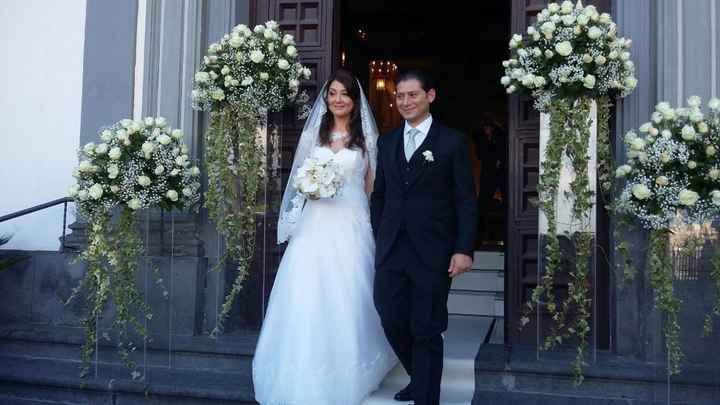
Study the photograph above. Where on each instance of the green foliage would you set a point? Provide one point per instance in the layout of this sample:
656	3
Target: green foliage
235	176
605	163
569	136
112	258
715	277
661	279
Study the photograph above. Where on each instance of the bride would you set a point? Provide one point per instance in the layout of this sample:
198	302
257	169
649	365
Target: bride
321	340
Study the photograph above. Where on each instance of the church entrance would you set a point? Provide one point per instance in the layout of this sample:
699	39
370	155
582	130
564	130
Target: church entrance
463	54
463	51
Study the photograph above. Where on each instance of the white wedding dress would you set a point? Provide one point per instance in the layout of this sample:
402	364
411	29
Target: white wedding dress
321	341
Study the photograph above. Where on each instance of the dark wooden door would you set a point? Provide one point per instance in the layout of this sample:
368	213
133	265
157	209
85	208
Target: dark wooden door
522	237
313	23
315	26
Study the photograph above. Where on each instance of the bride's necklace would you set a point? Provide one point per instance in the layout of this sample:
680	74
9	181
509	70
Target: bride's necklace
336	136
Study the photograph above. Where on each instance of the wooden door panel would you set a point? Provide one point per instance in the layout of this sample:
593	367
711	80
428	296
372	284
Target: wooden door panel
314	25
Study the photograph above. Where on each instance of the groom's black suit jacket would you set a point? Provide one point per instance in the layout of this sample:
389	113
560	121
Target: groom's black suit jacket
432	200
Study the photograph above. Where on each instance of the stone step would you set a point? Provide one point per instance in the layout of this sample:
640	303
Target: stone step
480	280
185	352
480	292
478	303
57	381
488	260
457	387
25	379
462	340
11	399
178	359
498	332
457	375
516	376
464	336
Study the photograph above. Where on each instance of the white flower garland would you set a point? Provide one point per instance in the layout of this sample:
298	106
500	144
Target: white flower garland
570	51
672	171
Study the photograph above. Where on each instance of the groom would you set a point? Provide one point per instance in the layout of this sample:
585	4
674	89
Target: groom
423	213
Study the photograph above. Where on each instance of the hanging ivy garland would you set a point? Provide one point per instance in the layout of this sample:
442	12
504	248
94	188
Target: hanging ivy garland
138	164
569	135
715	277
578	294
235	175
606	162
245	75
671	182
121	248
661	280
570	57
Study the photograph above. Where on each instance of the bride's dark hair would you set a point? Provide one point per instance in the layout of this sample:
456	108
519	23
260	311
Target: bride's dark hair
357	137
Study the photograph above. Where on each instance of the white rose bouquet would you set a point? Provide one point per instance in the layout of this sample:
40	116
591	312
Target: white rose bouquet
136	164
318	179
251	68
570	51
673	166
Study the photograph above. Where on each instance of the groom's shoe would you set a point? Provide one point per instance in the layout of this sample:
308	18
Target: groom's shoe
404	394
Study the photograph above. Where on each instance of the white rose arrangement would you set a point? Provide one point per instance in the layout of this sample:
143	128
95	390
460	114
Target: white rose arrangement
672	180
139	164
318	179
570	51
133	167
673	167
244	76
251	68
571	58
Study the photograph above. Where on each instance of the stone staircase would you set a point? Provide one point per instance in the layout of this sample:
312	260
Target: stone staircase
476	313
518	376
26	380
462	340
39	349
480	292
34	370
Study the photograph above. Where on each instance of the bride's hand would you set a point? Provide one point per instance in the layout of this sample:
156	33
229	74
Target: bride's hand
369	180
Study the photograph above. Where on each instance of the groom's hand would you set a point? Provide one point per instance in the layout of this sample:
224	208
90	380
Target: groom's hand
459	263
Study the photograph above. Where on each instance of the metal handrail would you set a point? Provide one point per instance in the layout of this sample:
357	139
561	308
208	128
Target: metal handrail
40	207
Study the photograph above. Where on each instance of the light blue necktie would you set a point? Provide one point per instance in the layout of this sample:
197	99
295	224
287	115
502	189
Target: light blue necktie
411	143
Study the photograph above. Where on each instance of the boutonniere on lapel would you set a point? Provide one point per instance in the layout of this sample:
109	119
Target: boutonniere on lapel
428	156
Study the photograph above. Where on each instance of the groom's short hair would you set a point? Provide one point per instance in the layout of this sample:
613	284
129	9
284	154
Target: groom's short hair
426	82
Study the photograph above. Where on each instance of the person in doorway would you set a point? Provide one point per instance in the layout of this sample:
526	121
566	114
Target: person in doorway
423	212
491	151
